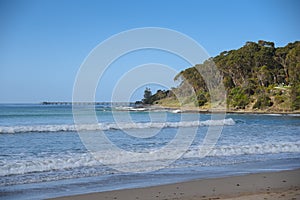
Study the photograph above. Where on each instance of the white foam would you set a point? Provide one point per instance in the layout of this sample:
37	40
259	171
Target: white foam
264	148
48	163
108	126
76	160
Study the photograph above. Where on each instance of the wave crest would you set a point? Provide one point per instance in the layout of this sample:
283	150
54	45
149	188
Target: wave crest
75	160
111	126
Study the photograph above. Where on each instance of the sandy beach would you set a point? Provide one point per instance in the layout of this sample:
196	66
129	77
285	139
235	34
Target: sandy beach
272	185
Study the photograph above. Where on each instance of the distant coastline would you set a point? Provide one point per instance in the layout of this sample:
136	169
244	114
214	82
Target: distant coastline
239	111
257	78
174	109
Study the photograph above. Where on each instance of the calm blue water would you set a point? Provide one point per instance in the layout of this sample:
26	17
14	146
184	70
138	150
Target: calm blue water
42	155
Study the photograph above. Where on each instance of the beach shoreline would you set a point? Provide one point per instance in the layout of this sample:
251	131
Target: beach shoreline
267	185
184	109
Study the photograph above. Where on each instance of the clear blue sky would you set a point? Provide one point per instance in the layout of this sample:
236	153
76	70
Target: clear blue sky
43	43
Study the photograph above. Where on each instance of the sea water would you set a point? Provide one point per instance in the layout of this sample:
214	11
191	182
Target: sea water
42	154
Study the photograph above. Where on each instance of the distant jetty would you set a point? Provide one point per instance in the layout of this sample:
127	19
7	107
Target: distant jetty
88	103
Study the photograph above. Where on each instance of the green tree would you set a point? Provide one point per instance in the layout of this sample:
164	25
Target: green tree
263	102
264	76
247	72
238	98
202	98
147	96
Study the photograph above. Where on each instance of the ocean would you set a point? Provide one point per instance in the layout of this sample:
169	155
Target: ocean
43	156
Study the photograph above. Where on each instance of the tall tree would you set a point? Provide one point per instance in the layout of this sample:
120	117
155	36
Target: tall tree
147	96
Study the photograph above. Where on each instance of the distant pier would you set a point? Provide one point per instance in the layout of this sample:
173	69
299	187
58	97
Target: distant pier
88	103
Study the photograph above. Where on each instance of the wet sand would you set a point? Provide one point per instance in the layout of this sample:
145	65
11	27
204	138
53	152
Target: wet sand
273	185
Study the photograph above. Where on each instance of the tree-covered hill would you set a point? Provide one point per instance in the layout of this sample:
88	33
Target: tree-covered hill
257	76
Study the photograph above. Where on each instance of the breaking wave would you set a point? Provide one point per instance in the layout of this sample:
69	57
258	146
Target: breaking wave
263	148
67	161
111	126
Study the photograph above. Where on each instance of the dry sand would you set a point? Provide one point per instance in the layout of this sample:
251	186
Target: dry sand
275	185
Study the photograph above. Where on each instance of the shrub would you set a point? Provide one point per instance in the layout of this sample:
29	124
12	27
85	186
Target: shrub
263	102
201	97
295	95
279	99
239	98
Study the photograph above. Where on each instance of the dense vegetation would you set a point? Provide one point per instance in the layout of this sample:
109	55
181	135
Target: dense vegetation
255	76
